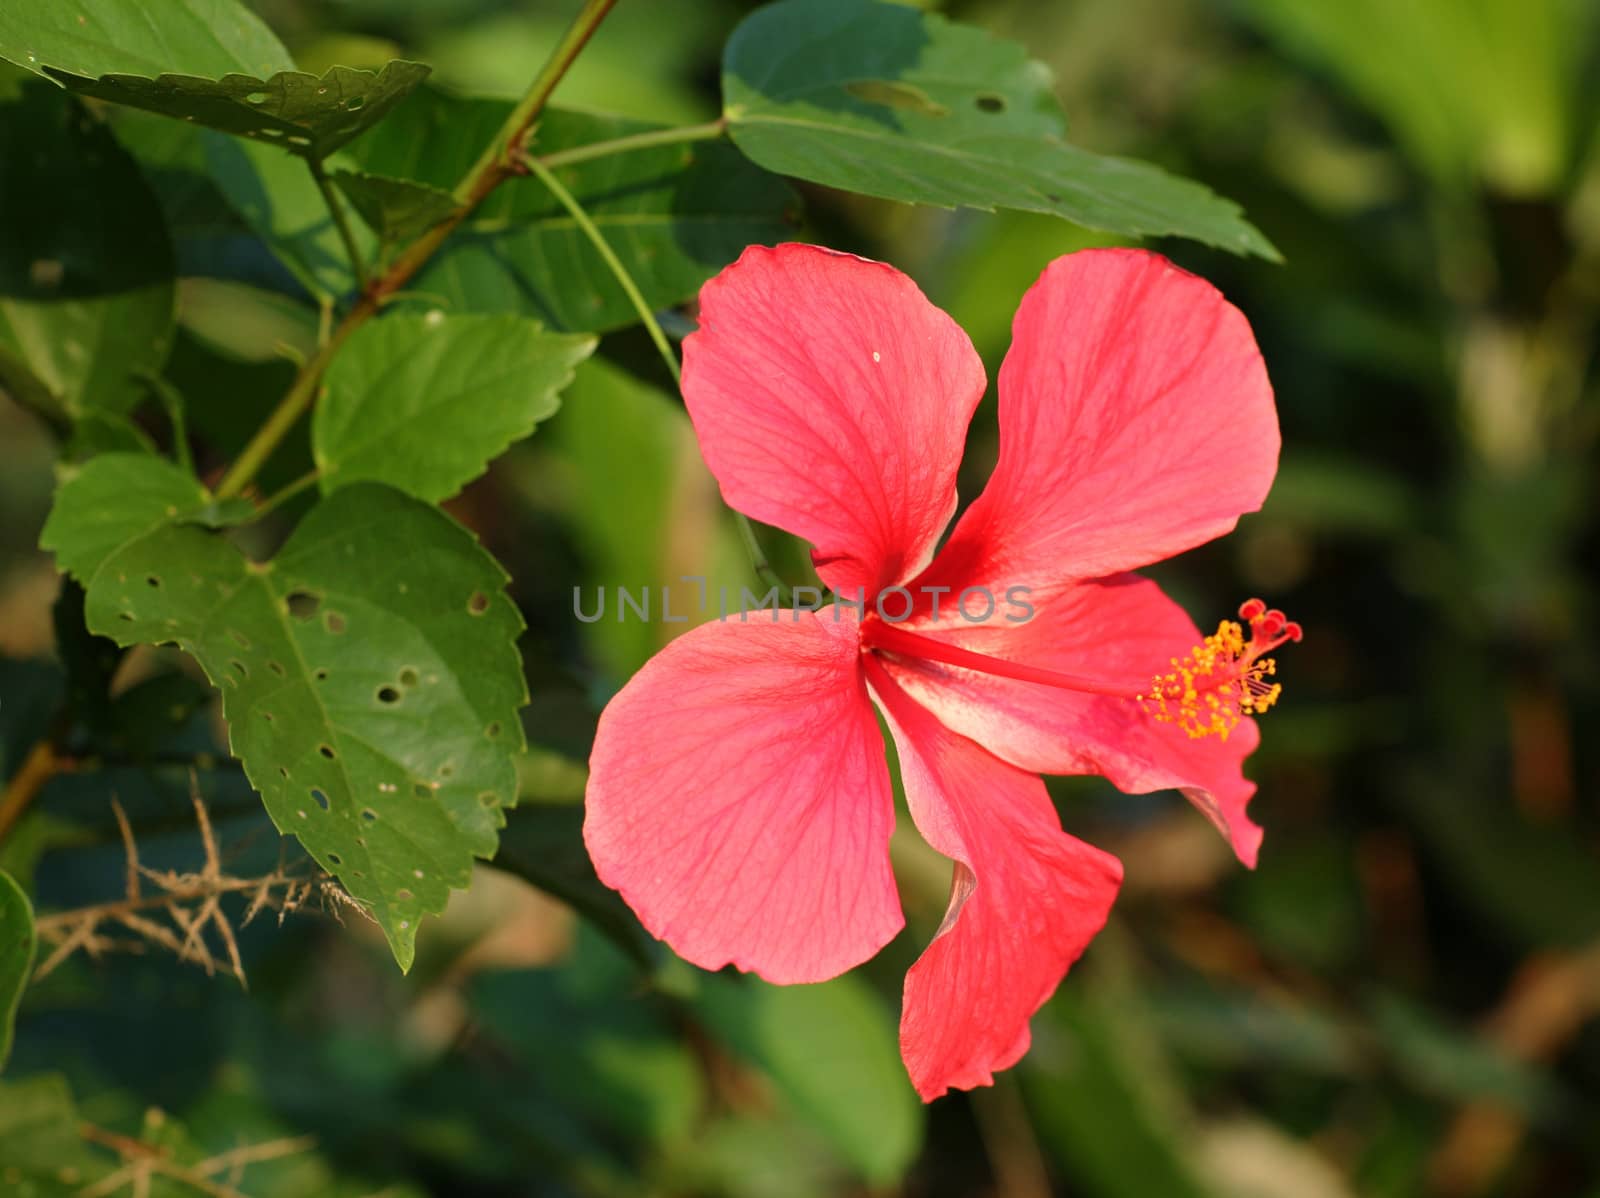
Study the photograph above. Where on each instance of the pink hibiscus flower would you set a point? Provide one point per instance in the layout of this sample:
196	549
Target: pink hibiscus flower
739	796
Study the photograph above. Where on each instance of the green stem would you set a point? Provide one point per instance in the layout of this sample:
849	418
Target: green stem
341	220
541	170
495	165
309	479
172	403
709	131
290	408
613	263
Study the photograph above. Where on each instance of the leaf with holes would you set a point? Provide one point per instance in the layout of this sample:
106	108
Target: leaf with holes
674	215
424	402
395	209
370	681
16	955
86	288
212	62
884	100
114	499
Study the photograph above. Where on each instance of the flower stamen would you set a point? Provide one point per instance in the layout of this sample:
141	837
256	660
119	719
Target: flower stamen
1226	677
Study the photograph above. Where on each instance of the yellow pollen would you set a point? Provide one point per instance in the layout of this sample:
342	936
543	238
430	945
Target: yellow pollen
1224	679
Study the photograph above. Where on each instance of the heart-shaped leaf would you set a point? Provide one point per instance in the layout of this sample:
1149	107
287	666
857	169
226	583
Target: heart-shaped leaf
673	214
424	402
884	100
370	682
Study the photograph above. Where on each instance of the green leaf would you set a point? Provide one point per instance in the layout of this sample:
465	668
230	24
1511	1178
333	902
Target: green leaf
103	37
308	115
17	944
113	500
370	682
397	210
831	1049
884	100
212	62
39	1143
424	402
276	197
86	290
674	214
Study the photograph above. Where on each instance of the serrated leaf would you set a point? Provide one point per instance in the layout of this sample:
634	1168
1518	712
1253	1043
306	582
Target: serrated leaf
674	214
114	499
212	62
881	99
17	943
424	402
308	115
101	37
395	209
370	682
86	289
832	1051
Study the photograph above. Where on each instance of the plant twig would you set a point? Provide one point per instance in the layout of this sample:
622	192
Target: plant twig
709	131
341	220
602	247
497	163
540	169
192	901
39	767
142	1161
309	479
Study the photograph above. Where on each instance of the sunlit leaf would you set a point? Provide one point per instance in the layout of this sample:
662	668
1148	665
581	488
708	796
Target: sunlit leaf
424	402
102	37
370	683
881	99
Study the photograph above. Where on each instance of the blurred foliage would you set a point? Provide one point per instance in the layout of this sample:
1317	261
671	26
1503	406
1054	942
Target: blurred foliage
1401	1000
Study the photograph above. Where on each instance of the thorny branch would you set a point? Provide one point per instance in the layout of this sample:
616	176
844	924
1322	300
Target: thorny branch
192	902
142	1162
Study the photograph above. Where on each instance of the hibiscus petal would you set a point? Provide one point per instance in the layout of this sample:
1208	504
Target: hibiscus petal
1025	901
1119	631
1136	421
739	799
831	399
